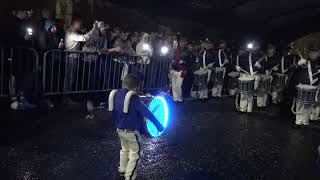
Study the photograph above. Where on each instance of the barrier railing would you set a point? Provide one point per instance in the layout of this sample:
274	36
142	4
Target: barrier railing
68	72
18	70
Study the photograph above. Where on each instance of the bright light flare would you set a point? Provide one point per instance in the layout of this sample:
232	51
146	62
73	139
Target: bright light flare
250	46
30	31
164	50
146	47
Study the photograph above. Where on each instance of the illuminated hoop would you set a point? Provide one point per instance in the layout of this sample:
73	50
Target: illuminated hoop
160	109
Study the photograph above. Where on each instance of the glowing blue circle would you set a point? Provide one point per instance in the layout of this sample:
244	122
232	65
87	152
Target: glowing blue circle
159	107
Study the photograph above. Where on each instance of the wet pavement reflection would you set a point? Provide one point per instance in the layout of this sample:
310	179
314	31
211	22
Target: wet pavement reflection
204	141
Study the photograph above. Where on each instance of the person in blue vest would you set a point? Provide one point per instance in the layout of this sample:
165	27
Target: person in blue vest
128	116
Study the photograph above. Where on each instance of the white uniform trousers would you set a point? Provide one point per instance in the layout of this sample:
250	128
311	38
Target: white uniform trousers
262	99
303	113
177	85
232	92
217	90
315	113
246	102
276	97
130	153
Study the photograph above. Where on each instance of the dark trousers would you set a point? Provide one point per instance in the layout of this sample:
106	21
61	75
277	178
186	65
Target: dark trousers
187	84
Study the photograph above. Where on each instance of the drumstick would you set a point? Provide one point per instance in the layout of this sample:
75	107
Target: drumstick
244	71
262	58
316	73
274	67
299	53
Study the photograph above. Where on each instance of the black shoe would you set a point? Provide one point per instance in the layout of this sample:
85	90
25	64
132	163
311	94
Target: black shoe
296	126
120	176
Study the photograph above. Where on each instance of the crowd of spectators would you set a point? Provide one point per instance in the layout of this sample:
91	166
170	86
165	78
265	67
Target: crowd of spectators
24	29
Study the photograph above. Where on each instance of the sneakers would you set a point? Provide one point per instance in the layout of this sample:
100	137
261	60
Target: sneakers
16	106
90	117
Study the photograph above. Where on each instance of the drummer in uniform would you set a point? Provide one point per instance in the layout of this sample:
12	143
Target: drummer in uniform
269	66
222	68
203	70
281	77
308	74
246	64
130	124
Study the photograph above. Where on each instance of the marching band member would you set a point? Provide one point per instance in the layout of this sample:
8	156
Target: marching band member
246	63
308	74
128	113
218	74
281	76
269	65
203	72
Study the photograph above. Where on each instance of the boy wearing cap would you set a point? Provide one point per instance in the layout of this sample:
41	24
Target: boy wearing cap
128	115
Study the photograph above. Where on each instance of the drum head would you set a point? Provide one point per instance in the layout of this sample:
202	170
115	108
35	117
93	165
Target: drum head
280	74
233	74
160	109
264	76
246	79
219	69
306	87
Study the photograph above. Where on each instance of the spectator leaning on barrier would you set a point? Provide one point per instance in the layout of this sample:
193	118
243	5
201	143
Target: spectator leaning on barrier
72	43
73	38
93	67
124	44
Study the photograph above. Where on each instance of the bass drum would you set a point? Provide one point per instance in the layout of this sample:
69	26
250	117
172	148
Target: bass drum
159	106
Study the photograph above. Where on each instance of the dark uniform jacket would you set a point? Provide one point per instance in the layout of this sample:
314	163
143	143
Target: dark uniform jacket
244	61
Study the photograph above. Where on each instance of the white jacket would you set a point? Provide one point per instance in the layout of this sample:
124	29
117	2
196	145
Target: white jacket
73	38
145	55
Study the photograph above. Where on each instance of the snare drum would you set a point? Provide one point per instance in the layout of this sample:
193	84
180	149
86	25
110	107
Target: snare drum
306	94
279	81
245	85
201	80
264	84
233	80
217	75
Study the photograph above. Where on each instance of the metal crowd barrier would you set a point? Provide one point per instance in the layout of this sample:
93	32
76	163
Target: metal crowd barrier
18	70
69	72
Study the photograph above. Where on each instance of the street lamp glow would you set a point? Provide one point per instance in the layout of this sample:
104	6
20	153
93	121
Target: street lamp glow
250	46
164	50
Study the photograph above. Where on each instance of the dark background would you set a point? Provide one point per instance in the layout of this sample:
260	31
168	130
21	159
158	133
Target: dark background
231	19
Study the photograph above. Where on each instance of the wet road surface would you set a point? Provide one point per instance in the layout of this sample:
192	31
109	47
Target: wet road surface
204	141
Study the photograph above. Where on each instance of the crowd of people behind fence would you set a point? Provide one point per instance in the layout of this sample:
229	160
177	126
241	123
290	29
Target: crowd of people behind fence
198	69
